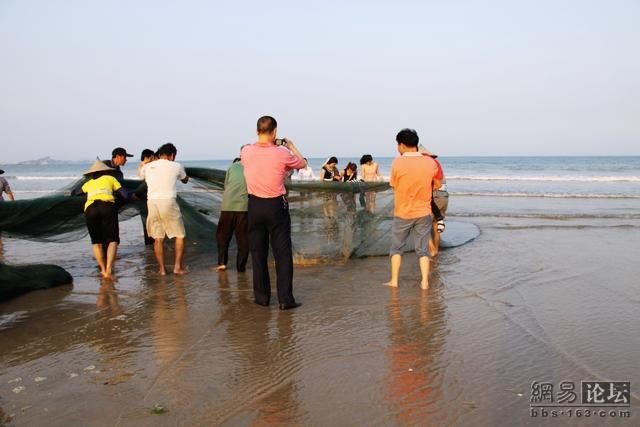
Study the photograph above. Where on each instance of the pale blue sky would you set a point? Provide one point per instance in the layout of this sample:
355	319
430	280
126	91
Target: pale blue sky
78	78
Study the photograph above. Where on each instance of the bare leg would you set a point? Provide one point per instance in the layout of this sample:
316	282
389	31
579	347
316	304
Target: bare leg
98	253
158	250
178	268
112	251
396	261
434	240
424	270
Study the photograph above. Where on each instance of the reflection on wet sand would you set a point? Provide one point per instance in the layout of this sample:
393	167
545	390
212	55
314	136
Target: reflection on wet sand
107	300
415	344
168	321
263	350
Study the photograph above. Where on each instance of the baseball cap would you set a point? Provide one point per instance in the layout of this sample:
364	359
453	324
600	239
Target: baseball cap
120	152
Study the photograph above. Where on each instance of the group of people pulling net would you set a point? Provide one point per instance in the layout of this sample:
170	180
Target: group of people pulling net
331	220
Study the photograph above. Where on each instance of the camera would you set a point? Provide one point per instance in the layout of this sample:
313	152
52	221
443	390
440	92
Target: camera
281	141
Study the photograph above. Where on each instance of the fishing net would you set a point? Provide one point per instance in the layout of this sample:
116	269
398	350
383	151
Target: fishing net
17	280
58	217
331	221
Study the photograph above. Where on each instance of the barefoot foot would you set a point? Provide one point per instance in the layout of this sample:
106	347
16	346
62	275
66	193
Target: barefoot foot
390	284
179	271
424	285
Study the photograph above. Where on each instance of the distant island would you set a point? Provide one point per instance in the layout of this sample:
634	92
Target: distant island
49	161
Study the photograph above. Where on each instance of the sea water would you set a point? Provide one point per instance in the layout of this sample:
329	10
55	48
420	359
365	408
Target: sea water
548	293
559	177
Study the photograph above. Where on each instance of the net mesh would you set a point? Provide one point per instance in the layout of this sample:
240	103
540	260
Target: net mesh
331	221
19	279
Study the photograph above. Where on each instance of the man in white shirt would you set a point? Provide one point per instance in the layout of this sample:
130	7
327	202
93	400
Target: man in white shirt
164	217
305	173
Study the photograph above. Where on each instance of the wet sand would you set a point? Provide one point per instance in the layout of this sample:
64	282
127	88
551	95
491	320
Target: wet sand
533	298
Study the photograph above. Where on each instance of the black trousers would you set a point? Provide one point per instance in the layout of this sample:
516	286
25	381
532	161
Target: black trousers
436	211
231	223
269	221
102	222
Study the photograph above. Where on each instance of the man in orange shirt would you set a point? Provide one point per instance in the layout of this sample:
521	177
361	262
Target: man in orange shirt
413	177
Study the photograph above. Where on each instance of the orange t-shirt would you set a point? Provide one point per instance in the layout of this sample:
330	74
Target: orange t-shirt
412	177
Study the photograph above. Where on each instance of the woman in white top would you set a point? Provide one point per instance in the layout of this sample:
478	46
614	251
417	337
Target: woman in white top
306	173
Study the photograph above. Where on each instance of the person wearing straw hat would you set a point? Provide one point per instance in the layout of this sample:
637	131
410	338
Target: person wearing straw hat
101	214
4	188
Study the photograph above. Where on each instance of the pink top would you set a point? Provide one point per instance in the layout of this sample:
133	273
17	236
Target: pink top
266	167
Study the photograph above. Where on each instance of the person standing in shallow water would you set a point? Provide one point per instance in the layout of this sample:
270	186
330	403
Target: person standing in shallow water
146	156
4	188
233	218
412	179
370	173
101	214
265	169
165	218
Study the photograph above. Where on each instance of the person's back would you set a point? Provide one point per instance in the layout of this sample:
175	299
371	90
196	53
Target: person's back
100	188
370	172
161	176
266	167
411	178
165	218
305	174
5	188
235	194
233	218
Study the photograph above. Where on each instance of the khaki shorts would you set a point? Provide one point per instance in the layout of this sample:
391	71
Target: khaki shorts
164	219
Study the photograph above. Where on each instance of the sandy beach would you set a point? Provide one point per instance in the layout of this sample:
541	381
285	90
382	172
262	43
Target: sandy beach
518	304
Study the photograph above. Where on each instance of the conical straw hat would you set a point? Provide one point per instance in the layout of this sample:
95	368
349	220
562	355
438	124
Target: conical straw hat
423	150
97	166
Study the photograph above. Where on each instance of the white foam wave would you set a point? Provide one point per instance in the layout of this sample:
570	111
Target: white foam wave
45	178
546	195
553	178
39	192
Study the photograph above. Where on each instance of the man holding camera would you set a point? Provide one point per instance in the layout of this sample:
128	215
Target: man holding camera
266	165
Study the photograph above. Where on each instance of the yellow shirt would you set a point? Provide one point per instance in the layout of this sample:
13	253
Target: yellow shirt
100	189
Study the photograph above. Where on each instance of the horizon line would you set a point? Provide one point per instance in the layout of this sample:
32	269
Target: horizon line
354	156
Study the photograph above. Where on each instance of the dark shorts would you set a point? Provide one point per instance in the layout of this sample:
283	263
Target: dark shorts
402	228
102	222
441	199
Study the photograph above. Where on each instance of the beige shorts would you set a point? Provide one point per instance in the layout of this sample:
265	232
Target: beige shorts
164	219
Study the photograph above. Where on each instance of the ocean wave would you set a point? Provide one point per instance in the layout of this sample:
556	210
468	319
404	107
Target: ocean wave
547	178
43	178
39	192
545	195
551	216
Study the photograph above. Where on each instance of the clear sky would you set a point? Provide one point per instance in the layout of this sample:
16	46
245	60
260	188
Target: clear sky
559	77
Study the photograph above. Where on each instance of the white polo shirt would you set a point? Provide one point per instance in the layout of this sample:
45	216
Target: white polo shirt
161	176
